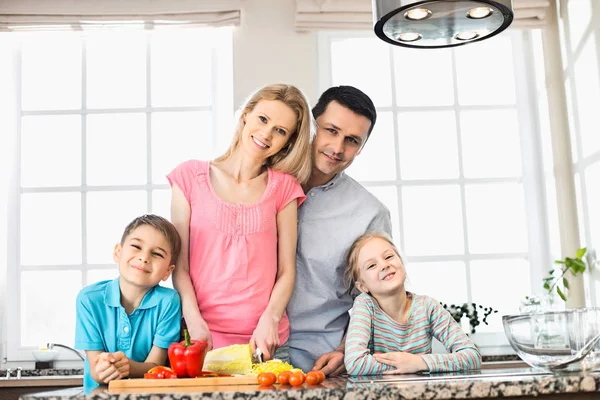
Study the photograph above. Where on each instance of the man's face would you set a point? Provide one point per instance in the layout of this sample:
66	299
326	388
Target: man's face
341	134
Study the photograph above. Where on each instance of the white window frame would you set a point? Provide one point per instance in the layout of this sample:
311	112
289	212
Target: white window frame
532	179
222	110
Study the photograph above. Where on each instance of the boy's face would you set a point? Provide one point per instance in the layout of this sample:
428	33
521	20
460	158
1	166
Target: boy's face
144	258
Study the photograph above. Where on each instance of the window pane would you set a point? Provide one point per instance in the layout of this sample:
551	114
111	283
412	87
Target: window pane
178	137
432	220
377	161
580	13
161	203
388	195
50	228
491	145
485	72
572	116
51	71
364	63
48	306
181	74
423	78
98	275
116	69
108	213
428	145
116	149
592	179
51	151
512	282
444	281
588	97
496	218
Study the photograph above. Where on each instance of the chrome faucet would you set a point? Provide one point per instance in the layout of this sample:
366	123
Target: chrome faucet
51	345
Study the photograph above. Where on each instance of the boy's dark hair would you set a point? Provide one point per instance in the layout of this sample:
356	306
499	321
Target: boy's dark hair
163	226
350	97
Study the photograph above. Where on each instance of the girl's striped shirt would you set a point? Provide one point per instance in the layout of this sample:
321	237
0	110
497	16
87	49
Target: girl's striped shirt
372	330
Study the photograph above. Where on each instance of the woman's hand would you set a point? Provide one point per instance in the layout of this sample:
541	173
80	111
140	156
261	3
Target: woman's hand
405	363
266	336
199	331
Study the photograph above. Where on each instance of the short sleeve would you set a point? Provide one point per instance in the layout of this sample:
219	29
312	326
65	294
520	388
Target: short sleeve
183	176
169	324
87	330
289	189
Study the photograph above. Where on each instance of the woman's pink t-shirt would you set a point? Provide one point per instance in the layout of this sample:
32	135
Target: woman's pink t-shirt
233	251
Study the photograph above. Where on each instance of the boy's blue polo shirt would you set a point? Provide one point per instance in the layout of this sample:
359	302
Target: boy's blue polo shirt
103	325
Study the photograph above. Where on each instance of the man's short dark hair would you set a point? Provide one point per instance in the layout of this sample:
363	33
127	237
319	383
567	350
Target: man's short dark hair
350	97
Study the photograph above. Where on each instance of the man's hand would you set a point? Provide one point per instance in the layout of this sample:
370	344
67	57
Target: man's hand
332	363
111	366
405	363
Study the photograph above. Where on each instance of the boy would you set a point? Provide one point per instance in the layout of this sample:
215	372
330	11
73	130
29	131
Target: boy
126	325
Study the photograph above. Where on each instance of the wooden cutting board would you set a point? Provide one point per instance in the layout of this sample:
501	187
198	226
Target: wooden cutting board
183	382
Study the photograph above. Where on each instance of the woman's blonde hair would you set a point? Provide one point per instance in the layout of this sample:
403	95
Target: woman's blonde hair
295	157
351	274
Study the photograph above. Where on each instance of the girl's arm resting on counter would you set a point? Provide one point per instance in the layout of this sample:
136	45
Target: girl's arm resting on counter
266	335
180	217
358	358
463	353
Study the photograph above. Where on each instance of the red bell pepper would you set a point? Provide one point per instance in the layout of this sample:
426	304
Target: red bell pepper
187	357
160	372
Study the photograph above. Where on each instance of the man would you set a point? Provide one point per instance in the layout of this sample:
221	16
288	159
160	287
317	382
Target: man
337	210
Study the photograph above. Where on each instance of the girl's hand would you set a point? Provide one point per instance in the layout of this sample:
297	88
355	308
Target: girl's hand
266	336
405	363
200	331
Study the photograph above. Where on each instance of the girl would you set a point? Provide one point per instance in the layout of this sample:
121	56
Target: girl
237	217
391	329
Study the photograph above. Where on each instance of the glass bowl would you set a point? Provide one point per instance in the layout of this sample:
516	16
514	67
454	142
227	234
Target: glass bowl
543	339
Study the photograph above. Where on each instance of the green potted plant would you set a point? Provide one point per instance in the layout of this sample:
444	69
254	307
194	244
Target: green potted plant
560	284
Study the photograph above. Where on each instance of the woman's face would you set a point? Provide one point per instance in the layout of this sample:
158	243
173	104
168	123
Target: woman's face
268	128
380	270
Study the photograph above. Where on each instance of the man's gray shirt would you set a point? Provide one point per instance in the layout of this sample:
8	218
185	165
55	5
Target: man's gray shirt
329	220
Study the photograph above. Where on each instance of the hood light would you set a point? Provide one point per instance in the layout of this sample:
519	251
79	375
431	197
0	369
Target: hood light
469	35
479	12
409	36
417	14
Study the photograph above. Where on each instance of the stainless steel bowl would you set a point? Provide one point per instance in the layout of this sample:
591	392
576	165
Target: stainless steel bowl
553	340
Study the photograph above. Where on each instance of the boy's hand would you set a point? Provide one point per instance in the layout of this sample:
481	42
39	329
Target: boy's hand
405	363
112	366
121	363
332	363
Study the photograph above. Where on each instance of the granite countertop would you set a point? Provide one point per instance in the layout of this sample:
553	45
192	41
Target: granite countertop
491	383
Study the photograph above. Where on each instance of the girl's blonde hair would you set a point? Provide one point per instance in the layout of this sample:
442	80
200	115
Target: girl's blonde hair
351	274
295	157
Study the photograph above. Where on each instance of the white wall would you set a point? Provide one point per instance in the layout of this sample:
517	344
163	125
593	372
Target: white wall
267	49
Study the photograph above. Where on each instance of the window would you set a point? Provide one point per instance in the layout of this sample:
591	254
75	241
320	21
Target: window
104	116
581	48
453	157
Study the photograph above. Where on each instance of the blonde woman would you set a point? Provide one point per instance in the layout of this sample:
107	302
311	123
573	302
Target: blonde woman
237	217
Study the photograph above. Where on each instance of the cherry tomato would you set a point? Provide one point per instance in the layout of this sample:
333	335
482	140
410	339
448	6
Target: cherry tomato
321	375
312	378
297	379
266	378
284	377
